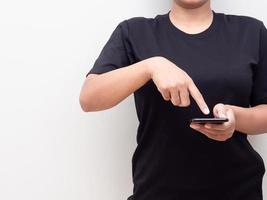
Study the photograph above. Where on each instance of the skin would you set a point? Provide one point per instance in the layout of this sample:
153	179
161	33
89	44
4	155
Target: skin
191	16
190	4
220	132
174	84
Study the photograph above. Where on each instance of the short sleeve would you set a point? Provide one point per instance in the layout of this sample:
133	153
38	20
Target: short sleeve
259	88
114	53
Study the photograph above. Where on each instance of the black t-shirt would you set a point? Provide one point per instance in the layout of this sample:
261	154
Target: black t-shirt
228	63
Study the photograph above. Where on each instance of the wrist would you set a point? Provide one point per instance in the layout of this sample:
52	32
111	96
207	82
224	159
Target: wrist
235	113
240	113
235	109
149	65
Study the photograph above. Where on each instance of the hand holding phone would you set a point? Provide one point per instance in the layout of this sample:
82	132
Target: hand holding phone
213	120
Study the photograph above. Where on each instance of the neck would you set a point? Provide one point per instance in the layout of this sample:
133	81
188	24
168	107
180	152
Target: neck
189	17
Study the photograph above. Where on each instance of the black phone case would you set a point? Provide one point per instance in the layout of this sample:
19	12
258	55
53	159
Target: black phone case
215	120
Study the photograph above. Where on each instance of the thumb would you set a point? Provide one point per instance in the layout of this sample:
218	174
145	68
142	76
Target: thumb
219	110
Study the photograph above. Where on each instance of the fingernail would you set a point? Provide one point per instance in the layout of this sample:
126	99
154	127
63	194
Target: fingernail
206	111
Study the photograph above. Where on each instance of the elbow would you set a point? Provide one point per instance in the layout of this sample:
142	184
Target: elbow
84	98
89	99
84	103
89	104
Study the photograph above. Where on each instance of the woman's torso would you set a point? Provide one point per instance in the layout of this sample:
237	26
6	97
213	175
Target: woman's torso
171	159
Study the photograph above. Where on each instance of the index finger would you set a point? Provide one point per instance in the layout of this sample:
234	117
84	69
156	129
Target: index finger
195	93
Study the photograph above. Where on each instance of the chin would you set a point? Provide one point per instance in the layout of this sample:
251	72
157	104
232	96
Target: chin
190	4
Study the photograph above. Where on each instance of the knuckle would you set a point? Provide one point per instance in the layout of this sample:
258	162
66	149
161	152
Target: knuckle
173	85
188	102
211	137
182	84
218	138
189	80
163	88
224	137
165	98
176	103
185	104
199	96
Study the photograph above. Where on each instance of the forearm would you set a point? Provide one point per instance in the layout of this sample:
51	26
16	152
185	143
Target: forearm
252	120
108	89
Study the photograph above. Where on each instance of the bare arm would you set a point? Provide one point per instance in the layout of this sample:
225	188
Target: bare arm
108	89
251	120
103	91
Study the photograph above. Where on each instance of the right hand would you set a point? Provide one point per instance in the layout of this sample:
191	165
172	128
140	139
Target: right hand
175	84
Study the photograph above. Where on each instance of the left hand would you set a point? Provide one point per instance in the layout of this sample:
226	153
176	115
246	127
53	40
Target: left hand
219	132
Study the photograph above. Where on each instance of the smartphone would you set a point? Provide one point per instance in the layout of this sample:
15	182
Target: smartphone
214	120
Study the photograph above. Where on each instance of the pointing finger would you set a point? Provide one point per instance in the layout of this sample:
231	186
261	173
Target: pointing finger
198	98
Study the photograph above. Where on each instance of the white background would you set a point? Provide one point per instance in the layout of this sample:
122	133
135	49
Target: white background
49	148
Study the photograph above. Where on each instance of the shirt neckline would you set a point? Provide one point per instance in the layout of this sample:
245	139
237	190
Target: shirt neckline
212	28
